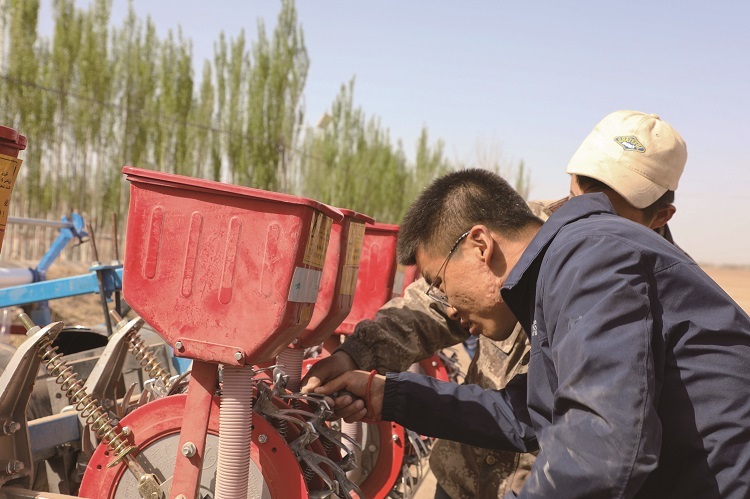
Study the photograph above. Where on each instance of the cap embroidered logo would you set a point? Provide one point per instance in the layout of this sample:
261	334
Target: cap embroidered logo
630	143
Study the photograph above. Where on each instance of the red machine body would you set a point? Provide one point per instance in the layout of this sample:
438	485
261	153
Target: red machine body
219	269
339	280
163	418
11	142
377	269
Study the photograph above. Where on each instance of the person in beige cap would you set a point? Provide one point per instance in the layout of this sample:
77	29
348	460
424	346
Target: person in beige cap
638	158
412	328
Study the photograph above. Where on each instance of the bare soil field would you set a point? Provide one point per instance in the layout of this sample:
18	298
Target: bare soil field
735	281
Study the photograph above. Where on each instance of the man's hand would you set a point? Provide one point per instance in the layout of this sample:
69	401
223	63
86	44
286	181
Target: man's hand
326	369
355	383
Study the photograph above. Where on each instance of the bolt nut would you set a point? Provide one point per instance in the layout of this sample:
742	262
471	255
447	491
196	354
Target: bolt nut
178	346
262	438
10	427
189	450
394	438
372	447
126	431
13	466
107	403
180	496
434	364
238	356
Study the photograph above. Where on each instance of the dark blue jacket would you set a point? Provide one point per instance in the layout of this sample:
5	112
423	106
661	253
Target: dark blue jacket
639	377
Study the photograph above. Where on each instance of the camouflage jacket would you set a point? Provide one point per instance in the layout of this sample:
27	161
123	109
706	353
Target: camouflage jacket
412	328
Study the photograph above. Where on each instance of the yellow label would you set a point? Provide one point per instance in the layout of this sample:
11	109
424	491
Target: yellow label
9	167
306	313
354	243
317	242
353	255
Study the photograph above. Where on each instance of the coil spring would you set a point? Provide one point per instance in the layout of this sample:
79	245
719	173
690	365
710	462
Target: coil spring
281	426
327	445
146	360
89	409
307	472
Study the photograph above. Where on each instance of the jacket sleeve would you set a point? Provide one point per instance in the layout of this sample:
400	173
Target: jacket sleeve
491	419
596	314
404	331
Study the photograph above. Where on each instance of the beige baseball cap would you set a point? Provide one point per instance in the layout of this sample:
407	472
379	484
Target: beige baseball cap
638	155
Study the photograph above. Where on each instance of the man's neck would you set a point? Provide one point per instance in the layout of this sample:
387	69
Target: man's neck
513	248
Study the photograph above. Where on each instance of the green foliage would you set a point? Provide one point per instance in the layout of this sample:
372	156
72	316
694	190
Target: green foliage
94	98
353	164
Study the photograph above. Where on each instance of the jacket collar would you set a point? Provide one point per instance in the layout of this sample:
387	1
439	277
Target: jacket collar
527	266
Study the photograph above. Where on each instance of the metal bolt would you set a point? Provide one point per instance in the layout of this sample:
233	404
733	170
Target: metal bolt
126	431
13	466
372	447
119	321
262	438
238	356
295	341
107	403
394	438
180	496
189	450
178	346
31	328
10	427
434	364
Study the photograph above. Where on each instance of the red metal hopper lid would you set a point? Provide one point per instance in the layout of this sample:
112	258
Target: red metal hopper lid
210	186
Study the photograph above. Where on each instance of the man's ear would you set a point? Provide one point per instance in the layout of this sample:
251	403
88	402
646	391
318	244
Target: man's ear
480	240
663	216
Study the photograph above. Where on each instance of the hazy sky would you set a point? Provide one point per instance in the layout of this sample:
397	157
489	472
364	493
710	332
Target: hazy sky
529	80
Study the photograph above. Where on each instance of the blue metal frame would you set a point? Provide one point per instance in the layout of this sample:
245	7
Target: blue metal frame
73	230
70	228
64	287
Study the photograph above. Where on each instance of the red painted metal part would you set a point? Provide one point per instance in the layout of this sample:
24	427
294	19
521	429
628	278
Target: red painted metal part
339	279
11	142
164	417
377	269
387	469
187	470
434	367
204	260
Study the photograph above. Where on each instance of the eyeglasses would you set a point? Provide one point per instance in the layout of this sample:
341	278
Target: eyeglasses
434	292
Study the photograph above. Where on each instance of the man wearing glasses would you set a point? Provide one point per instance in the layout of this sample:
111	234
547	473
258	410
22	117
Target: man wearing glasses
637	382
412	328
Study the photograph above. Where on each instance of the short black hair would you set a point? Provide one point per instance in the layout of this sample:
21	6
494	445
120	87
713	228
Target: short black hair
588	183
455	203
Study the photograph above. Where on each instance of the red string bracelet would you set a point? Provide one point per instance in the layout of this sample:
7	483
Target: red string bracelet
368	399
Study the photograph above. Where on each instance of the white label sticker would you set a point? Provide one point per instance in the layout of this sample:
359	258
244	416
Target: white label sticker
305	284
